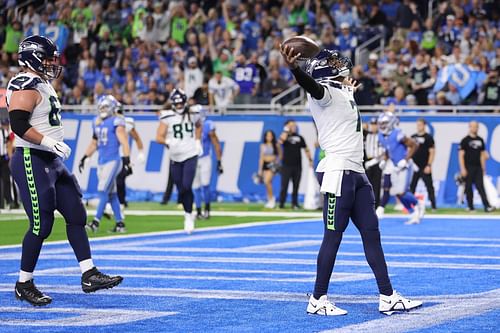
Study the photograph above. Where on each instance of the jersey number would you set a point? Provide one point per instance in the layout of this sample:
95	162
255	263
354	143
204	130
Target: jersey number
54	116
355	108
178	131
102	136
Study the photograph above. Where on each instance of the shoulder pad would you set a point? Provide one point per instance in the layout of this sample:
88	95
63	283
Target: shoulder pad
130	120
24	82
166	114
195	109
119	121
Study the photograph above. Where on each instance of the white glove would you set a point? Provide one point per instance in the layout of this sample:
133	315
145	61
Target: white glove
370	163
403	164
57	147
141	158
199	147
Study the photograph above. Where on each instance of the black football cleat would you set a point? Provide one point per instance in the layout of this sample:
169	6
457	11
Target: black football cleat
119	228
26	291
93	280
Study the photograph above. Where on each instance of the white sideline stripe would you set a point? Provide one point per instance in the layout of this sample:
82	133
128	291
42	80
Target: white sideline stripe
276	261
246	295
172	232
429	316
339	277
80	317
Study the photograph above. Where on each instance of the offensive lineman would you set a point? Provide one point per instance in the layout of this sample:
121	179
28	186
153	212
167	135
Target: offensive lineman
180	131
109	135
348	193
45	184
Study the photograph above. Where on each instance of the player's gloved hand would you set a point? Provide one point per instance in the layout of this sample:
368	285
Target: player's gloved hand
220	170
199	147
403	164
370	163
126	165
57	147
141	158
286	129
81	165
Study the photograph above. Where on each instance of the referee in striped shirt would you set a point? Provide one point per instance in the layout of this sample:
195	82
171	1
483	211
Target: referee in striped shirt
373	153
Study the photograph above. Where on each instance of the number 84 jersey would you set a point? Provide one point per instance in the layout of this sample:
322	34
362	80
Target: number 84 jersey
46	117
181	132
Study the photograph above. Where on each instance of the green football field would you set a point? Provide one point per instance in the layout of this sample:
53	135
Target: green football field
14	226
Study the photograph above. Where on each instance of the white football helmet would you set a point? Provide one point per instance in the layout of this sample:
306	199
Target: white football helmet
107	106
387	121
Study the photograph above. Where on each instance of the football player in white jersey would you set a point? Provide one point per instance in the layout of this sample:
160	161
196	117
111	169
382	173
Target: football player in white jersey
45	184
180	131
348	193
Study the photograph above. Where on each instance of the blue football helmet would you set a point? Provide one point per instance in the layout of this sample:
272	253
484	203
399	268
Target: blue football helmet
40	54
328	65
178	99
107	105
387	121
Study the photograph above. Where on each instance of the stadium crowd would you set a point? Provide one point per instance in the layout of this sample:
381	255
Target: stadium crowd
224	52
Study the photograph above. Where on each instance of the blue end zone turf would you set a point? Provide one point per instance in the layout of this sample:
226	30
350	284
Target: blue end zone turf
255	279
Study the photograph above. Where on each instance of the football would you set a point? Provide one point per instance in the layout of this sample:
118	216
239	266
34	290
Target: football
303	45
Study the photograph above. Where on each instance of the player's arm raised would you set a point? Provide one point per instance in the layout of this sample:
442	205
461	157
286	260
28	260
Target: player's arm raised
315	89
22	103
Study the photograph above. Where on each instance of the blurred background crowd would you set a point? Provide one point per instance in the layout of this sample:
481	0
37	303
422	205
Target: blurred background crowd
225	52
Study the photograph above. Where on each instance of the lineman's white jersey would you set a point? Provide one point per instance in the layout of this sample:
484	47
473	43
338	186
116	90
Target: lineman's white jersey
340	132
181	133
45	118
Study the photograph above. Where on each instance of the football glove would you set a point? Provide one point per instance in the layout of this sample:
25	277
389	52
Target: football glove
81	165
126	165
57	147
403	164
141	158
220	170
370	163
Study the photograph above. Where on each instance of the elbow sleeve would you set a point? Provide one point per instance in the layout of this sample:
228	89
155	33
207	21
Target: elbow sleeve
315	89
20	121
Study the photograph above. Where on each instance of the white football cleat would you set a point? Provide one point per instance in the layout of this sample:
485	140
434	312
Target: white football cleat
188	223
415	216
396	303
380	212
324	307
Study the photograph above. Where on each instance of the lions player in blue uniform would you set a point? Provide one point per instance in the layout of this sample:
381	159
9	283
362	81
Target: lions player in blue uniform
400	150
348	193
201	184
180	131
109	135
45	184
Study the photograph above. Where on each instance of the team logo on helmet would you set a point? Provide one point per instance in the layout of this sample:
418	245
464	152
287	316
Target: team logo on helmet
328	65
40	54
178	99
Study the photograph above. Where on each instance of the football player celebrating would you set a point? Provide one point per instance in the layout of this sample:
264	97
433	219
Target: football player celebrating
180	131
348	193
109	135
400	150
45	184
201	184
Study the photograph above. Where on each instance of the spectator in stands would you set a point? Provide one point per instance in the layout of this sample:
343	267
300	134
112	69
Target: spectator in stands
452	94
442	100
390	65
13	36
402	78
274	84
130	95
421	80
406	14
365	94
384	91
193	77
429	38
376	16
491	89
222	91
399	98
91	75
30	18
472	157
448	34
344	15
75	98
201	95
247	77
346	41
108	76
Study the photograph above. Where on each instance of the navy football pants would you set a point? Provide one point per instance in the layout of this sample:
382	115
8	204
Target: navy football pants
183	176
45	184
358	203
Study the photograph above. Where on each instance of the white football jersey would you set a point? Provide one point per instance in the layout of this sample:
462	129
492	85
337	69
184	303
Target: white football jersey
340	132
46	117
222	91
181	133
